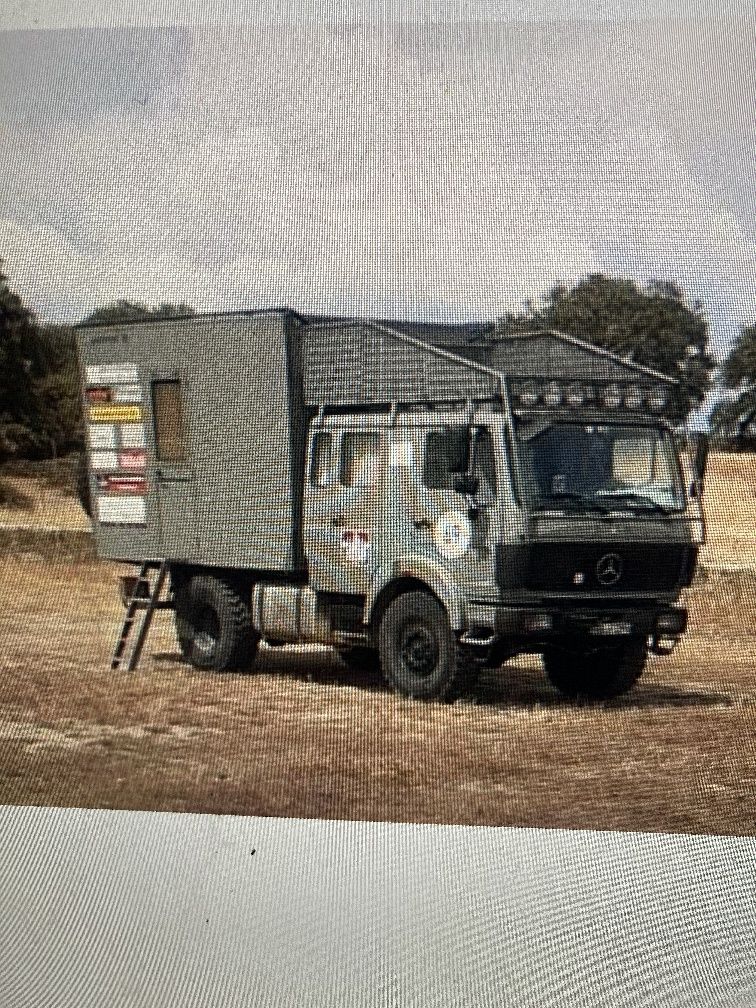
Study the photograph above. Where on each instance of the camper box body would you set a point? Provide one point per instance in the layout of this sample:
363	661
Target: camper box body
194	435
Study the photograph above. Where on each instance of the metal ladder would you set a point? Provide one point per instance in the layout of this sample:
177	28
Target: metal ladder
144	604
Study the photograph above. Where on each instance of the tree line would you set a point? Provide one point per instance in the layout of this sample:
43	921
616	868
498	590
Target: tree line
652	324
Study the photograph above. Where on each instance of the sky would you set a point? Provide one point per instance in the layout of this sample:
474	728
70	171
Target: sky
435	170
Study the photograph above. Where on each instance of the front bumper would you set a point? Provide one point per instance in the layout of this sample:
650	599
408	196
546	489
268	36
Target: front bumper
490	623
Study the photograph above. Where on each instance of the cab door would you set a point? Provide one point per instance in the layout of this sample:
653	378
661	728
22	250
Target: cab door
345	479
459	528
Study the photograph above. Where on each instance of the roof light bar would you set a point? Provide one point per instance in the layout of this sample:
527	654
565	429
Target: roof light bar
576	394
528	393
549	394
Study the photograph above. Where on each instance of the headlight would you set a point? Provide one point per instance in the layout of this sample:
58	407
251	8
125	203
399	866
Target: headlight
611	396
576	394
657	398
528	394
538	623
634	397
553	394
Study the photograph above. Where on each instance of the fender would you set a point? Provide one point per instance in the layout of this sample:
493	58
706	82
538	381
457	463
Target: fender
428	571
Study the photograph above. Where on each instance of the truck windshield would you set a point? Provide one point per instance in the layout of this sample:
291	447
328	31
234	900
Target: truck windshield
600	468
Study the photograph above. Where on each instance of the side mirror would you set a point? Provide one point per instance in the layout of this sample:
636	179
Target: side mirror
466	483
699	465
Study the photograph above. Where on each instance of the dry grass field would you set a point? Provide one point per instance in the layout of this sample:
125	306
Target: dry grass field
730	506
302	737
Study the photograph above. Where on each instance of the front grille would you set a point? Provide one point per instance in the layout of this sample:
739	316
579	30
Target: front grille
615	567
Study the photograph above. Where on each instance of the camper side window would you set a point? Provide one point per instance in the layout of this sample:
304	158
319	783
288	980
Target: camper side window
169	421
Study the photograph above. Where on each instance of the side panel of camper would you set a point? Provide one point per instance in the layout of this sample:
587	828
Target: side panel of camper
195	439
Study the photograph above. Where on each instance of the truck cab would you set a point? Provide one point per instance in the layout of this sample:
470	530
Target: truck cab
564	532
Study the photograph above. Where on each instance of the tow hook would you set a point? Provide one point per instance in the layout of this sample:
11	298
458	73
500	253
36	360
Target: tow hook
662	645
480	638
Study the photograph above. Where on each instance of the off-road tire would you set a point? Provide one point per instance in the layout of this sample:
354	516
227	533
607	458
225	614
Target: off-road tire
179	585
596	673
213	625
361	659
419	652
183	631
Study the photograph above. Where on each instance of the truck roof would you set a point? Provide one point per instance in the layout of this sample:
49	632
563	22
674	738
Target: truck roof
521	354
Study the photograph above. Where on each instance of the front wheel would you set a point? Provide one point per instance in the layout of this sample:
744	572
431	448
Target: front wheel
213	625
419	652
596	673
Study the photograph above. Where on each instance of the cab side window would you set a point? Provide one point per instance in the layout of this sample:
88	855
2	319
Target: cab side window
445	457
359	458
485	460
321	459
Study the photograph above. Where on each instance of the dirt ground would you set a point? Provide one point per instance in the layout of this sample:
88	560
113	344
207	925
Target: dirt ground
301	736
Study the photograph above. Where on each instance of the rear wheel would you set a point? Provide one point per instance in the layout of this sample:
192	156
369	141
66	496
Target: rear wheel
213	625
419	653
596	673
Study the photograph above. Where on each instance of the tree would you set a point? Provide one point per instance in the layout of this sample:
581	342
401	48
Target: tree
21	366
20	359
738	414
135	311
652	325
59	388
57	347
60	413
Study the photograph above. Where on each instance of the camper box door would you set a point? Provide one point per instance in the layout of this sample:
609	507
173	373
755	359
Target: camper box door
175	478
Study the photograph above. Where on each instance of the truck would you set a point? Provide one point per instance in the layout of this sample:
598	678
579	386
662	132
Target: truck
428	500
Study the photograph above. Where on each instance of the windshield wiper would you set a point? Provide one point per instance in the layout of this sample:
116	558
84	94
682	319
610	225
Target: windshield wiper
640	502
576	502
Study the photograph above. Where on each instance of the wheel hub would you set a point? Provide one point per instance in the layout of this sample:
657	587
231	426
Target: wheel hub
419	651
207	631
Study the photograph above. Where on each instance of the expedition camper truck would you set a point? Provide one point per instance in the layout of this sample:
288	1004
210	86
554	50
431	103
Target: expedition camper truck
430	500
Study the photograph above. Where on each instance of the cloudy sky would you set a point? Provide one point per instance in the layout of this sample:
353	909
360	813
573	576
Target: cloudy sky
443	170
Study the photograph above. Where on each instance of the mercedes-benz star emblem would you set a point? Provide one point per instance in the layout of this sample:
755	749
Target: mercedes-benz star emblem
609	569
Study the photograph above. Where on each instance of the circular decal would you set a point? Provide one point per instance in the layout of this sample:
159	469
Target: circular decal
452	534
